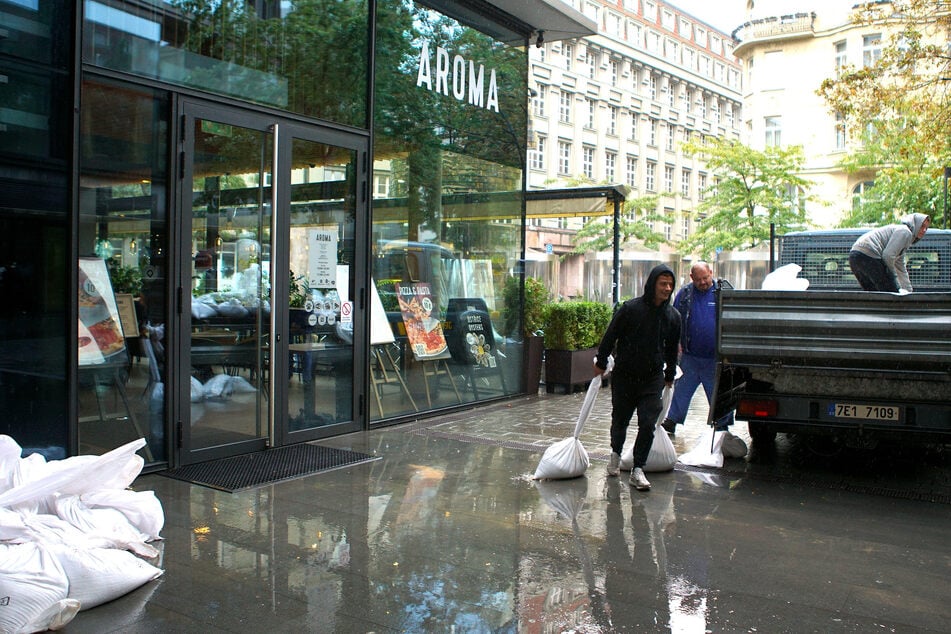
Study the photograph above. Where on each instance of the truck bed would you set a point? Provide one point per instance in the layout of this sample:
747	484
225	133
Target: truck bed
835	361
855	330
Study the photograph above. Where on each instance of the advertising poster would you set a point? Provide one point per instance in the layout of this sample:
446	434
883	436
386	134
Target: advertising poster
423	329
100	332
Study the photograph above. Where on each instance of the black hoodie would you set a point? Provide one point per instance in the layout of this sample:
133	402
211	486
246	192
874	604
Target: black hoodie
642	336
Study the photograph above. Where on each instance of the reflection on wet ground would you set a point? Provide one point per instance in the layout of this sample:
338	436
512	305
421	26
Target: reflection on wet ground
448	533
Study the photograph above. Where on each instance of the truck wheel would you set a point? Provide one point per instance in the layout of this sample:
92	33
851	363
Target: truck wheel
760	433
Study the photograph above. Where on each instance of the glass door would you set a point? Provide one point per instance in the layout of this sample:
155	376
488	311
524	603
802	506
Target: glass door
224	299
268	299
321	267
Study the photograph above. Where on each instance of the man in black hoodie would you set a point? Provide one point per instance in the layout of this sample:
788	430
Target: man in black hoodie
643	336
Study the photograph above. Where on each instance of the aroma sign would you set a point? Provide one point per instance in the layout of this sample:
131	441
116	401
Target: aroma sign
458	77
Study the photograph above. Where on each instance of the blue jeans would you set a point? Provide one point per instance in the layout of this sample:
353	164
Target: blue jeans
696	371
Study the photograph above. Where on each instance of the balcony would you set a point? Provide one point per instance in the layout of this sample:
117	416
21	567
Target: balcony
782	27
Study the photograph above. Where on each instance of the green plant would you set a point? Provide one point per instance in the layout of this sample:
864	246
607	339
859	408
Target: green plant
125	279
531	317
576	325
297	290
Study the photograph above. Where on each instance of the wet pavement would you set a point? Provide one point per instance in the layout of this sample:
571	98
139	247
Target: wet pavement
447	532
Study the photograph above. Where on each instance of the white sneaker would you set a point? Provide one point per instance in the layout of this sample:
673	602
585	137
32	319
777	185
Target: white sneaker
638	481
614	464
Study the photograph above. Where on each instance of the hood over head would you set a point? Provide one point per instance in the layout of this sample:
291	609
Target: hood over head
651	283
914	222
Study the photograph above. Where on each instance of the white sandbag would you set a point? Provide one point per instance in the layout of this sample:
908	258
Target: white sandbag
99	575
104	523
33	590
197	391
564	459
662	452
784	279
141	508
240	385
219	386
733	446
708	451
567	458
114	469
10	452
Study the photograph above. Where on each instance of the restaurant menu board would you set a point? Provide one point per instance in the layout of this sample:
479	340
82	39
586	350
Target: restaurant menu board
100	332
423	329
322	258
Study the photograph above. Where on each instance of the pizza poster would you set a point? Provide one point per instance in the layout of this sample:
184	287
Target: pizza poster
100	332
423	329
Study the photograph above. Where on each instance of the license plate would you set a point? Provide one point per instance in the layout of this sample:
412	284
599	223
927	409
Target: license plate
865	412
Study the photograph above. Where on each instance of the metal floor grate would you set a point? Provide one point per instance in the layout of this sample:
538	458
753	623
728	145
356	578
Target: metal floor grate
267	467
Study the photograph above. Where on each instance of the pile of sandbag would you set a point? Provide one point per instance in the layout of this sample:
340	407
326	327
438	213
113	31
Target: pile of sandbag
72	535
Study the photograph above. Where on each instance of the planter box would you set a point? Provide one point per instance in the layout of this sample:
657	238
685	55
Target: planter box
569	368
532	364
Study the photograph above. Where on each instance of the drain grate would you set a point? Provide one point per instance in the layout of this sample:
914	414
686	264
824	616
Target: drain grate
267	467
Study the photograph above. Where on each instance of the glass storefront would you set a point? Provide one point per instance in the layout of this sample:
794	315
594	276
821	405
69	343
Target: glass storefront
35	149
449	124
223	163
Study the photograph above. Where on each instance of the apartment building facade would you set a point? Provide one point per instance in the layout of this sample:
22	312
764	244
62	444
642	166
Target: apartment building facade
785	59
615	107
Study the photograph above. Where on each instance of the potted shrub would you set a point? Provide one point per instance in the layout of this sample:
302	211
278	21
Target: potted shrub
527	324
573	331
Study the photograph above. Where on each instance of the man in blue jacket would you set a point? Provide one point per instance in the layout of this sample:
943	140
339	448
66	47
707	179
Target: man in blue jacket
697	305
643	337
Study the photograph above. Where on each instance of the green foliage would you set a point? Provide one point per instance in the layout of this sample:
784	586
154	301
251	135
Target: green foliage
533	312
598	233
125	279
386	291
576	325
751	191
297	290
902	97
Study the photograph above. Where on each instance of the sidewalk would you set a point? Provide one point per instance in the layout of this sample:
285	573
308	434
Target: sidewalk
448	533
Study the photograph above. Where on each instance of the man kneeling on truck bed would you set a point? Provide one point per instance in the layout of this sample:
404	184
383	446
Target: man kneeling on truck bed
877	258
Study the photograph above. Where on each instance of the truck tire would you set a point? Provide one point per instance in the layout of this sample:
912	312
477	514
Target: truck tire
761	433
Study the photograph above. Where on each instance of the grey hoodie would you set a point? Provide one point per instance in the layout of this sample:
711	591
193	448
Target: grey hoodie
889	244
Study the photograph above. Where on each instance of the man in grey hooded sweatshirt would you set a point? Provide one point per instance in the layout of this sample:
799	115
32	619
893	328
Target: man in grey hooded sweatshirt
877	258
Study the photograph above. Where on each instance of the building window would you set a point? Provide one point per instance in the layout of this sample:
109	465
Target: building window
667	228
841	56
731	116
669	179
701	186
685	183
774	130
652	87
543	53
381	185
861	193
649	175
632	171
871	49
685	227
564	107
538	101
612	120
685	100
590	108
635	120
612	67
568	50
669	93
669	138
564	158
839	131
702	102
652	140
591	59
610	160
587	161
536	158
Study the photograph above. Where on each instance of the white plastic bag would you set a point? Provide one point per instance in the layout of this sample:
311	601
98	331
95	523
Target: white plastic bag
568	458
662	456
708	451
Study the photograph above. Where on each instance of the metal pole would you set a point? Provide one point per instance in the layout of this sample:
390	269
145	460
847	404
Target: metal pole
947	174
616	275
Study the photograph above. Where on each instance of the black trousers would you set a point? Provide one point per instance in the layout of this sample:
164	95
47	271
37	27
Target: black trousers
872	273
630	394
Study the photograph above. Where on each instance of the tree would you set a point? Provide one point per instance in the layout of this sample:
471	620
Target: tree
751	191
899	101
633	225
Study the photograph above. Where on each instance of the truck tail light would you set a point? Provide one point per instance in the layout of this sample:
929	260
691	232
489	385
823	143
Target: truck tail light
757	408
